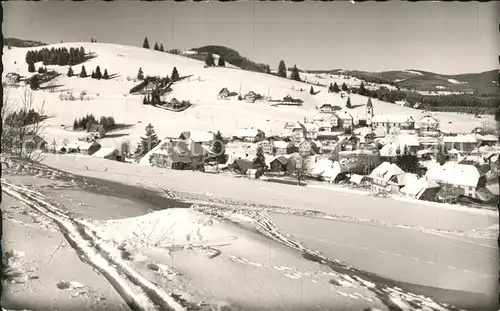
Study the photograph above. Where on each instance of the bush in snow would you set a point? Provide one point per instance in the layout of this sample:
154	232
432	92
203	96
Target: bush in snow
105	75
70	72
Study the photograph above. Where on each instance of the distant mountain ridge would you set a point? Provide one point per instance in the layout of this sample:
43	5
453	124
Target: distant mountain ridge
21	43
414	79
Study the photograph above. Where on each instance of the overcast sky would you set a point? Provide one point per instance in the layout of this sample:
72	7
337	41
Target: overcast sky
439	37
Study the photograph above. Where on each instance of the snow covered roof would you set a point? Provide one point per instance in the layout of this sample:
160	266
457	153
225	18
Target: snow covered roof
198	136
407	140
488	137
392	118
460	139
455	174
87	145
324	124
246	132
280	144
385	171
345	116
416	187
389	150
356	179
104	152
428	119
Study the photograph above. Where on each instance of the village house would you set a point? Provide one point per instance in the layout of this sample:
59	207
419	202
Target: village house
421	189
266	146
251	97
109	153
334	120
88	148
382	174
487	139
326	108
149	88
410	142
251	134
223	94
280	164
12	78
428	125
460	179
346	120
205	138
35	142
297	131
180	155
393	121
370	138
324	127
282	147
463	143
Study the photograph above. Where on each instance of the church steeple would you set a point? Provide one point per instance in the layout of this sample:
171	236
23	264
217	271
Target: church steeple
369	111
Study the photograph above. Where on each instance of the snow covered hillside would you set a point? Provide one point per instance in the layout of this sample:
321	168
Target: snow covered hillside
201	86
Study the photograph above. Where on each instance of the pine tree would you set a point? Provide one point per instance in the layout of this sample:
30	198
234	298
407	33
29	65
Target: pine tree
175	75
161	48
295	74
106	75
209	60
34	82
348	104
311	91
156	47
336	88
344	87
83	72
93	75
362	89
330	88
31	67
260	155
218	148
145	44
222	62
140	74
282	69
70	72
75	125
150	141
98	74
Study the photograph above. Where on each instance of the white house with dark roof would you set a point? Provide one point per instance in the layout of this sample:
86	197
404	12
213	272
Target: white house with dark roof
461	179
250	134
389	121
346	119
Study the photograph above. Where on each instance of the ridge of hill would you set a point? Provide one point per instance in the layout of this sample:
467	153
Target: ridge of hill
234	57
21	43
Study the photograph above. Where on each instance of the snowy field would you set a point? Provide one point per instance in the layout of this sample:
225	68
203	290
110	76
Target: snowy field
176	258
111	98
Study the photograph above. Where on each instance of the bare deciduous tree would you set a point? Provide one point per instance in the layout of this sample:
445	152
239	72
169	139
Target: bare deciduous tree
300	168
21	136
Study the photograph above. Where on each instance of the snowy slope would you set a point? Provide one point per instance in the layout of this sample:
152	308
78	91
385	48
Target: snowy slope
112	98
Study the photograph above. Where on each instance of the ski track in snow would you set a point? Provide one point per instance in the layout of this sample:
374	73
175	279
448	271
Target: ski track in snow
139	293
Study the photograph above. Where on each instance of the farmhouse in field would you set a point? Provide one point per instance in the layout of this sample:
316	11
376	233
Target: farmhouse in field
89	148
109	153
428	124
224	93
393	121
